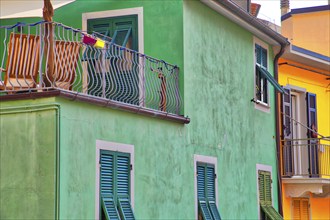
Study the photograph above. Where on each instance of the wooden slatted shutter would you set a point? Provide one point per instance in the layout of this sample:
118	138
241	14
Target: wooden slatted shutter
107	170
201	192
109	208
300	208
304	209
313	156
210	179
122	186
125	209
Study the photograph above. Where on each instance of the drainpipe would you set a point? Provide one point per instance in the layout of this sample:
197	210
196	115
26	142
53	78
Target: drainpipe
277	127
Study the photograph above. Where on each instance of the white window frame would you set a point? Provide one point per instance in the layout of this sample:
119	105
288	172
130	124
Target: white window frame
208	160
116	147
267	168
260	105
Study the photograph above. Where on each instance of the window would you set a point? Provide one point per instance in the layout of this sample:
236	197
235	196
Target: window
300	208
299	106
114	183
267	211
206	188
261	83
113	72
206	193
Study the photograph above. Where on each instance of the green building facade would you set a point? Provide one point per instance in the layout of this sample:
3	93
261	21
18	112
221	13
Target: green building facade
51	146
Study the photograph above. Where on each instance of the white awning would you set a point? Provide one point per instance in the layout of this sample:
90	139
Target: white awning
26	8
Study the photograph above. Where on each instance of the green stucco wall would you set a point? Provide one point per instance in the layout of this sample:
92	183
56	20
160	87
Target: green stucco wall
219	84
217	58
27	161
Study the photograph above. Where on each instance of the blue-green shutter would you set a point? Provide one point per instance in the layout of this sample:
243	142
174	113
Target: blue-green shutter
214	210
125	209
206	191
107	184
123	183
109	208
201	191
210	179
107	172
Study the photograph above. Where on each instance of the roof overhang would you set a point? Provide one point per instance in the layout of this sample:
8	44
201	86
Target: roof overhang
307	59
24	8
247	21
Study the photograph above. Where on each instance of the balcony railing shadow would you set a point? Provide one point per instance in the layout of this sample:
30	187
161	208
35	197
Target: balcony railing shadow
43	56
306	158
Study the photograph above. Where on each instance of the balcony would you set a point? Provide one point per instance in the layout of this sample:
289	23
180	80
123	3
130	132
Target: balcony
46	56
306	166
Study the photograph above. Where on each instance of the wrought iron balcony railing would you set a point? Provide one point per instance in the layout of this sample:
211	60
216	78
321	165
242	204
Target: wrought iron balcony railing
306	158
43	56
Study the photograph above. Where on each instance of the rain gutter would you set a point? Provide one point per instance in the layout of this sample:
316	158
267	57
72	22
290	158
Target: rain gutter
241	17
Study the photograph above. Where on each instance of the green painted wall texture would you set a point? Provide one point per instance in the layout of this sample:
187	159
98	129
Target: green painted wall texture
217	56
27	162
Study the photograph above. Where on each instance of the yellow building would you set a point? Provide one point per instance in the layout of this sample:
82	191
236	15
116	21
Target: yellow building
304	71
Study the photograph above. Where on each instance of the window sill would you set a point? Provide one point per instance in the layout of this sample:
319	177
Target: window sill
262	106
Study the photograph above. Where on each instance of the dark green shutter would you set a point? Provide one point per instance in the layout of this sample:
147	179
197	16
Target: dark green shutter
109	208
107	172
123	180
107	184
201	191
123	172
206	191
125	209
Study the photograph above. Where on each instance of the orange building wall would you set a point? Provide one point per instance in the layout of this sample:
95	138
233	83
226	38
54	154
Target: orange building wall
303	30
319	207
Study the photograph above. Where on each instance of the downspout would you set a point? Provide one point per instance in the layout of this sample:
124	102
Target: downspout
277	127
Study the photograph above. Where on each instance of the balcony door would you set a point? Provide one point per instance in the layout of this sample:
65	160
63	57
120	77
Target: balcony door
300	151
113	72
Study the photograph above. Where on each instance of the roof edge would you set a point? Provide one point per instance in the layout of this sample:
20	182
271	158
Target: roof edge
305	10
238	15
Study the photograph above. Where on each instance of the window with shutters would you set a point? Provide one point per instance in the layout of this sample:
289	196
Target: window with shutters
114	190
300	209
267	210
261	83
206	193
299	112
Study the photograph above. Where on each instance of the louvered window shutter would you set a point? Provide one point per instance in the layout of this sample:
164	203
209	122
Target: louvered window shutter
265	189
123	182
287	132
311	112
300	209
312	123
265	196
107	185
304	209
201	192
206	191
210	176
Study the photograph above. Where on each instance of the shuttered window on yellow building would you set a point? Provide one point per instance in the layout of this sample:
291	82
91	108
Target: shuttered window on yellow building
300	208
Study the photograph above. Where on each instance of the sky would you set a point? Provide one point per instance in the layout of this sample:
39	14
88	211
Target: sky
270	9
